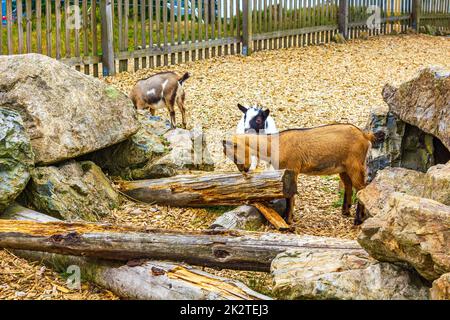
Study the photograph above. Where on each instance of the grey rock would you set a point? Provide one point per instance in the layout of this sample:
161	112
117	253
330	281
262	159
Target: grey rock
16	157
66	113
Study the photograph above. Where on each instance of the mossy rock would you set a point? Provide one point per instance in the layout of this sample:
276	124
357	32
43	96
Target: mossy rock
16	157
72	191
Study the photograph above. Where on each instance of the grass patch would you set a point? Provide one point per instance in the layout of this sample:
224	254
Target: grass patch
339	202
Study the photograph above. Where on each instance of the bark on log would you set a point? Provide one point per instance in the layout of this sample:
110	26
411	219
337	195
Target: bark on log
216	248
213	188
150	280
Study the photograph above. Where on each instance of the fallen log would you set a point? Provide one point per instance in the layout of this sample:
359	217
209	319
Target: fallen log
149	280
211	189
215	248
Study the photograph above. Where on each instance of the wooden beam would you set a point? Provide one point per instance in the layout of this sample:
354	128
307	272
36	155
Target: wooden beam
343	18
107	38
157	280
272	216
247	32
215	248
211	189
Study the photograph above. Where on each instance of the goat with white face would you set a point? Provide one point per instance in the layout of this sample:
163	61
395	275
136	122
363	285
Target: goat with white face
161	90
255	120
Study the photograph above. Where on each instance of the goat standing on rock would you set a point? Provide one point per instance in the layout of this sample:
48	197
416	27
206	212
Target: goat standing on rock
330	149
161	90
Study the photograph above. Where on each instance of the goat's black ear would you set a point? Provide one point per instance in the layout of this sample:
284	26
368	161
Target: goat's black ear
242	108
266	113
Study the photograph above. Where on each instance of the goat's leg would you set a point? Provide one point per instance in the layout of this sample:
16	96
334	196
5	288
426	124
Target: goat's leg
180	104
290	206
358	178
152	110
347	203
171	109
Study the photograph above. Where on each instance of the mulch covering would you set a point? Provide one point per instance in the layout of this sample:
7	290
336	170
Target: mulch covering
303	87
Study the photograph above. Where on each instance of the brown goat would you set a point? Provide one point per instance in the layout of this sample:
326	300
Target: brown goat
330	149
159	91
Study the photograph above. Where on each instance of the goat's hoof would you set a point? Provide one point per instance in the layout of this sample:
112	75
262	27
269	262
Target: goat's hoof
357	222
345	213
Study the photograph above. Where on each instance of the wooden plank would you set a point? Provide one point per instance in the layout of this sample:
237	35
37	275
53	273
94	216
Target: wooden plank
158	31
415	14
165	38
29	26
272	216
86	43
232	17
247	34
48	18
186	29
9	26
39	26
281	33
178	48
150	41
172	29
343	18
94	35
135	32
207	19
193	28
58	39
219	24
179	37
77	30
19	26
126	14
107	38
382	20
143	28
200	28
67	29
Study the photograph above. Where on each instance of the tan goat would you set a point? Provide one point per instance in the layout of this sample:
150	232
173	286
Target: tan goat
161	90
330	149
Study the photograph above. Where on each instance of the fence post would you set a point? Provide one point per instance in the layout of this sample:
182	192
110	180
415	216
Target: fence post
107	38
415	14
343	18
247	42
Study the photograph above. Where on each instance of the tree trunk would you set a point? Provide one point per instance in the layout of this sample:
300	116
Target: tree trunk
150	280
216	248
213	188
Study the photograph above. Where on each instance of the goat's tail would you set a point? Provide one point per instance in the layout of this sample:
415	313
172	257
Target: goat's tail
184	78
375	137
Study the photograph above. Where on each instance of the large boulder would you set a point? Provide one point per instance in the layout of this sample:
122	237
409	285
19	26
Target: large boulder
441	288
409	229
66	113
435	185
16	157
343	274
415	122
423	102
72	191
155	151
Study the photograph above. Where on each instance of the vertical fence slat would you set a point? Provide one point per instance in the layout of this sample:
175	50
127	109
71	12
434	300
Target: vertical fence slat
58	28
67	29
143	35
19	26
165	38
77	30
85	35
29	26
172	29
1	29
48	30
94	35
106	12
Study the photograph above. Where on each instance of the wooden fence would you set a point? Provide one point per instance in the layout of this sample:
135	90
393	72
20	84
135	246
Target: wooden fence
119	35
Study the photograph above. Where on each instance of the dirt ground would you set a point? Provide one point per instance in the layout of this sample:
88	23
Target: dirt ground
303	87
